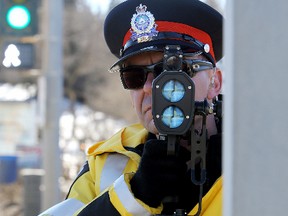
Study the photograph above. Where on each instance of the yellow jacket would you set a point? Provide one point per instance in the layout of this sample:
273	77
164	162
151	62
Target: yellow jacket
102	186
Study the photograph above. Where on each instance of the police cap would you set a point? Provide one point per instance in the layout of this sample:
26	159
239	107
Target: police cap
137	26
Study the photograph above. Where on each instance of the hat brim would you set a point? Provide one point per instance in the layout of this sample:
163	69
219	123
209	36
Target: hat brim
158	46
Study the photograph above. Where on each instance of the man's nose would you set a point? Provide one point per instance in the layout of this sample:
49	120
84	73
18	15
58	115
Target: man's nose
148	84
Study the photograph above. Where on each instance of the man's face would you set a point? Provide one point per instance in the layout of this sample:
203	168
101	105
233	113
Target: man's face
142	98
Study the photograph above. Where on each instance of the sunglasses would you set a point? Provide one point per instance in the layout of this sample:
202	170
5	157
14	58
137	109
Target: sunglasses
135	76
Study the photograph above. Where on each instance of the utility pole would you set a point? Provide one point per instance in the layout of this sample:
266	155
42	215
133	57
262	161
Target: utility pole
255	119
51	93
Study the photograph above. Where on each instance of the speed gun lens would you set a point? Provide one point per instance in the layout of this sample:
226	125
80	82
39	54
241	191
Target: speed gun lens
172	117
173	90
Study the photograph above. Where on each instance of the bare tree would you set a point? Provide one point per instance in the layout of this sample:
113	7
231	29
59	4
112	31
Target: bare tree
86	63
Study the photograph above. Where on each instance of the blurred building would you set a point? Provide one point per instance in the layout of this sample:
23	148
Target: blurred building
20	147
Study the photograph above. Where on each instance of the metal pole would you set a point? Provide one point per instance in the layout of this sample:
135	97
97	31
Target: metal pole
255	120
53	81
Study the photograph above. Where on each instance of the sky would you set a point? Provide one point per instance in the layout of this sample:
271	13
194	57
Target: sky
103	5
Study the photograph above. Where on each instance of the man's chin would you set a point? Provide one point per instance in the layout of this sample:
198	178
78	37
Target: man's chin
149	122
151	127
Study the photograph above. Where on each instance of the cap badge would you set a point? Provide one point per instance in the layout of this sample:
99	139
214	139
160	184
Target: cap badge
143	26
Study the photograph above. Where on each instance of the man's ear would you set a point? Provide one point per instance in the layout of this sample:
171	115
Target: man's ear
215	84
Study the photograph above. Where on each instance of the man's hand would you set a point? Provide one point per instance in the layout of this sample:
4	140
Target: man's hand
159	175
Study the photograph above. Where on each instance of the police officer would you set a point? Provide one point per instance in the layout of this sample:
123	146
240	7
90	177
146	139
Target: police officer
131	173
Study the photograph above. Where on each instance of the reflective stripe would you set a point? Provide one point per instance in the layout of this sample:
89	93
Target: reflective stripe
65	208
127	199
113	168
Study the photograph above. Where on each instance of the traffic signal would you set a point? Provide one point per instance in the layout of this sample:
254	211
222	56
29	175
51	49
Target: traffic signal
17	55
19	17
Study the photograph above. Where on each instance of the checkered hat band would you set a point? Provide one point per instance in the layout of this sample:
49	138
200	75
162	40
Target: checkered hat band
165	26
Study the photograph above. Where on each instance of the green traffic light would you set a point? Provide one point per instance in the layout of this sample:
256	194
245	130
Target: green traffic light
18	17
